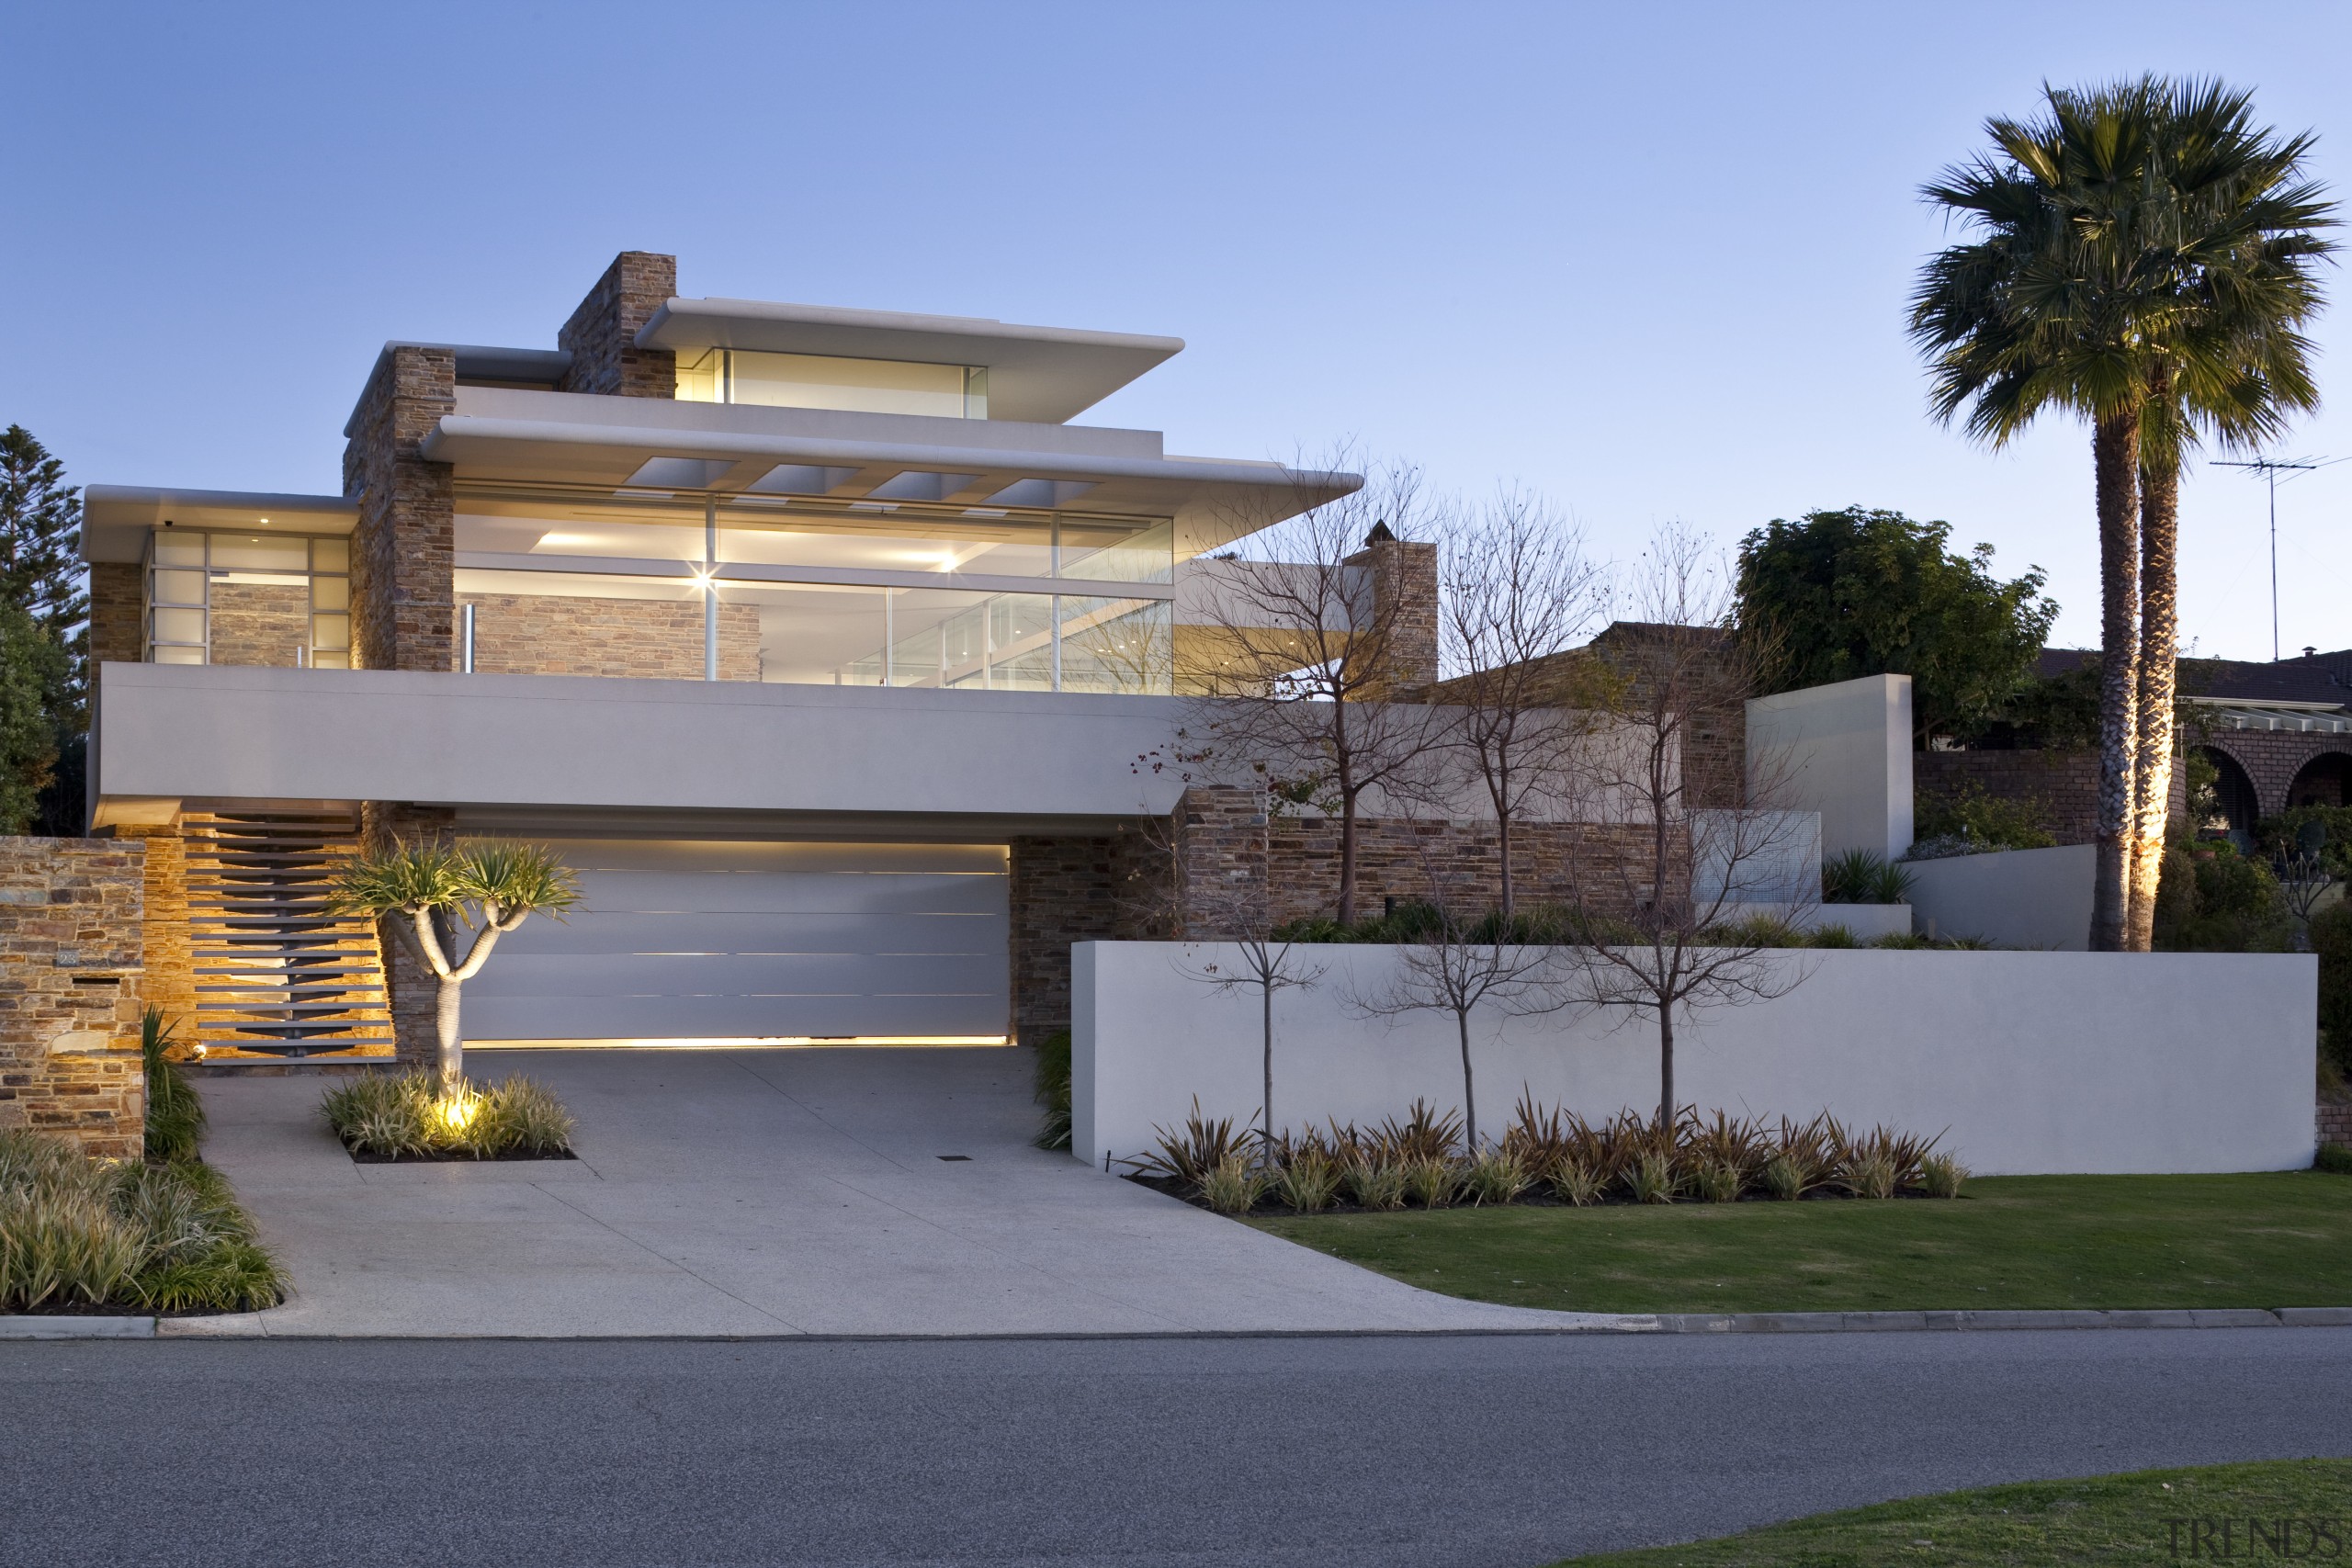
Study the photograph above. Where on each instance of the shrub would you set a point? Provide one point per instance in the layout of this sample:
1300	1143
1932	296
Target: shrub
169	1237
1431	1180
175	1114
1233	1185
1307	1175
1833	935
1942	1174
1863	877
1717	1183
1967	820
1870	1175
1651	1178
1053	1090
1187	1155
2212	899
1496	1175
407	1116
1784	1178
1376	1184
1574	1182
2331	826
2334	1158
2331	938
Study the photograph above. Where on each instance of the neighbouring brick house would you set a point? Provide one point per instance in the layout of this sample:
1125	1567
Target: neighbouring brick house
2277	734
822	643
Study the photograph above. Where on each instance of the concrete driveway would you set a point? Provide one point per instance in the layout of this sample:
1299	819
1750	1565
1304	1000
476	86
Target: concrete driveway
767	1192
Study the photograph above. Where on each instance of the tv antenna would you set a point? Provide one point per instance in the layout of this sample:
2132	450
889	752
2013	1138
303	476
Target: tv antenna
2270	468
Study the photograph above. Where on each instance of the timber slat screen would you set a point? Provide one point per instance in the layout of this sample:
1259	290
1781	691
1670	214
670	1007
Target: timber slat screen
279	973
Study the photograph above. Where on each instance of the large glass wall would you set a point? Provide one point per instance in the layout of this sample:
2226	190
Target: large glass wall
814	592
254	599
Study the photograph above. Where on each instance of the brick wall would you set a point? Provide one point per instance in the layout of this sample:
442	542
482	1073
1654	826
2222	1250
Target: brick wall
2334	1124
117	607
69	991
1066	889
412	989
165	952
602	333
2060	787
260	622
2272	757
405	549
651	638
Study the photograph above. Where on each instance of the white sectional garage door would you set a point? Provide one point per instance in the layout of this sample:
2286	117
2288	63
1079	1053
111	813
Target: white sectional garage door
700	938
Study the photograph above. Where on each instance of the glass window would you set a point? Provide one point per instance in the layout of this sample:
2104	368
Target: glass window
558	623
1117	645
180	625
885	541
1114	550
270	555
330	593
178	586
330	555
699	376
173	547
807	634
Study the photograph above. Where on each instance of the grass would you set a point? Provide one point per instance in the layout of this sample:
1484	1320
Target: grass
2271	1239
2150	1516
406	1116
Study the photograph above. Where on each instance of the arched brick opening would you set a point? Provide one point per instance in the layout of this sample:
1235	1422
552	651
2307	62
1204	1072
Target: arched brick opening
2326	780
2234	787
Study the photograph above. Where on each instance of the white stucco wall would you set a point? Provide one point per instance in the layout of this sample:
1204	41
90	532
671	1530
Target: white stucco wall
1843	751
2025	1062
2014	897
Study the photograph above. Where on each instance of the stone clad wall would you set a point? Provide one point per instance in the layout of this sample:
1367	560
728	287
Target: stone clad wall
2061	786
602	334
260	622
1066	889
69	919
650	638
404	552
167	951
117	607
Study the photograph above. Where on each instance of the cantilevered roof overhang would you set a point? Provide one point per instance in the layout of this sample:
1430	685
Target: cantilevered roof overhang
1213	501
116	518
1038	374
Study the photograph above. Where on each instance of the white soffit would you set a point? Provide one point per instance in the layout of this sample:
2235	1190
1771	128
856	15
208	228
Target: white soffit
116	518
1039	375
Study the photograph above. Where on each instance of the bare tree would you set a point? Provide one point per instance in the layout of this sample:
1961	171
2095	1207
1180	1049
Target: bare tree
1458	964
1318	651
1232	904
1664	881
1518	594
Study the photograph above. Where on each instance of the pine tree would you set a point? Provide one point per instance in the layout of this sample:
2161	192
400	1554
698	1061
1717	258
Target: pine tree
32	669
41	563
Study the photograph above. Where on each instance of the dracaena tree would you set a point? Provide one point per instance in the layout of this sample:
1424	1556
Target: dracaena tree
450	905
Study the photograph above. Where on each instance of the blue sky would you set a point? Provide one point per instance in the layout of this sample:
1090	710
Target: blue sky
1650	261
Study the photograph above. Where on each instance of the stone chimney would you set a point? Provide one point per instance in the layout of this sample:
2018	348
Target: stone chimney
602	334
1401	577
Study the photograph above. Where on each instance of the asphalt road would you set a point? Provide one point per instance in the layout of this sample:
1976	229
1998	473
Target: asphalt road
1492	1452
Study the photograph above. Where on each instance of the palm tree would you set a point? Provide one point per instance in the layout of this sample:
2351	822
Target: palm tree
429	891
2231	362
2119	239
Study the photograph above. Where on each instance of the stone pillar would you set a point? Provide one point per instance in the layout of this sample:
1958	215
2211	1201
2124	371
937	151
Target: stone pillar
403	550
602	334
411	989
1400	577
70	915
166	951
1221	852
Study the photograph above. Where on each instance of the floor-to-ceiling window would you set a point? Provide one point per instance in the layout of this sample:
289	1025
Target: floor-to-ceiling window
833	592
266	599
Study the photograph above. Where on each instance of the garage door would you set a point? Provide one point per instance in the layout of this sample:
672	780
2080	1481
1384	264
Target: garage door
699	939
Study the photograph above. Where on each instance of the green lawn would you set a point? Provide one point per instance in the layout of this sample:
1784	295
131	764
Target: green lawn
2268	1240
2153	1516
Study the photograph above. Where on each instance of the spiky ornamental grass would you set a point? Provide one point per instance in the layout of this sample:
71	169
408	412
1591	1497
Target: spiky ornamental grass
412	1116
166	1237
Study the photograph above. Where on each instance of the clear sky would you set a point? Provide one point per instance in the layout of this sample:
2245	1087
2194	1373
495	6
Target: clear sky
1648	260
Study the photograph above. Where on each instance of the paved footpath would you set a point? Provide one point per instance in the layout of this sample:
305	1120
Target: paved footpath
1380	1453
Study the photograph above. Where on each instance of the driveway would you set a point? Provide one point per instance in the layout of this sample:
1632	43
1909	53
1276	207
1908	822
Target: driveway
767	1192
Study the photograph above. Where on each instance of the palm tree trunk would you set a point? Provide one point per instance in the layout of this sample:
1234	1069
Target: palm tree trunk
2115	451
2159	631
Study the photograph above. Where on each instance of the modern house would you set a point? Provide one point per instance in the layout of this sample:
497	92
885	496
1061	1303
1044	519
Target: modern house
822	642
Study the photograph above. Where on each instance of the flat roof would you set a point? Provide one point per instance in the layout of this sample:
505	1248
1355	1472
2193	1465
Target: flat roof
1040	375
116	518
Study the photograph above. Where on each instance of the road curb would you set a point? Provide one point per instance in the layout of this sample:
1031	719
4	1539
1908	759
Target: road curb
93	1326
248	1325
